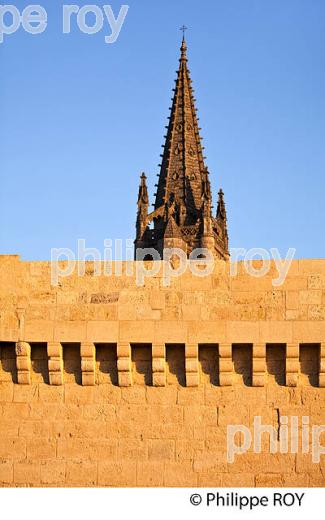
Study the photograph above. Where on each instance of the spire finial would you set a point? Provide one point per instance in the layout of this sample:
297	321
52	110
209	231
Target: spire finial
184	46
183	29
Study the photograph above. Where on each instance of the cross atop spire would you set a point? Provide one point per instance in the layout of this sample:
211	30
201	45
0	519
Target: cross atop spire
183	29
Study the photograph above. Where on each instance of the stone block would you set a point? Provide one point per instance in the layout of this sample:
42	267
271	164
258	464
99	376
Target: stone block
87	350
159	351
124	379
159	379
158	364
192	379
191	365
123	350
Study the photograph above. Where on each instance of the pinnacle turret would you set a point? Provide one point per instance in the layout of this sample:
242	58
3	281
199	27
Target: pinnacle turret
142	216
143	198
221	208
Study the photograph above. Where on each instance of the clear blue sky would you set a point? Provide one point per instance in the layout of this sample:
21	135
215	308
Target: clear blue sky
80	119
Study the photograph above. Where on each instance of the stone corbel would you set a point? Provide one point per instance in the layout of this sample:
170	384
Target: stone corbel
23	362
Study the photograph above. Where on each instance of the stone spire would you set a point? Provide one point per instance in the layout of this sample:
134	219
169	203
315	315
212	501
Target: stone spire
221	222
183	189
221	209
182	167
142	216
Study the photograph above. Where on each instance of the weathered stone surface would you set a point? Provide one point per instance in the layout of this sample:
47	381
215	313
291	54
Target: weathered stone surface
120	396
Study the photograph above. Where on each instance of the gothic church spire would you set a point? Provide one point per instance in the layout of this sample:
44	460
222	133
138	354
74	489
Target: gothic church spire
183	189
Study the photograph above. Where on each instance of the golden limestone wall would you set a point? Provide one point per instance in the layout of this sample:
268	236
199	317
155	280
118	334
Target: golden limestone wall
106	383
